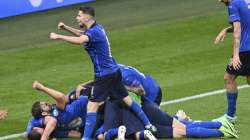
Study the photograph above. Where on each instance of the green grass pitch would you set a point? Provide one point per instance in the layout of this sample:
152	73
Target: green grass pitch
172	40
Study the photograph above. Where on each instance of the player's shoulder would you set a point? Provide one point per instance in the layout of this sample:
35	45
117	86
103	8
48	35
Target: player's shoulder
237	2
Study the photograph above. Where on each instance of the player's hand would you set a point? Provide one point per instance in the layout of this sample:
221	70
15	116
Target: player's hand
236	62
220	37
37	85
78	90
60	25
54	36
3	114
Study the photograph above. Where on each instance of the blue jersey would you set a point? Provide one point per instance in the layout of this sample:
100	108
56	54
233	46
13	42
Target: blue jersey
133	78
35	123
99	51
239	10
77	109
40	123
73	116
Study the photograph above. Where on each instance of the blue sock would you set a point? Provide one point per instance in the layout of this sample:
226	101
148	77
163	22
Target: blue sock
231	101
141	136
89	125
111	134
203	124
99	131
137	109
198	132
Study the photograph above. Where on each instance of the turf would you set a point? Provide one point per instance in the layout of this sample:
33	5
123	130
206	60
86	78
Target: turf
170	40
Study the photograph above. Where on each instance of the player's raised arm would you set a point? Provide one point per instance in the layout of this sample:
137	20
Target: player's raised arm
71	39
221	36
74	31
61	99
236	46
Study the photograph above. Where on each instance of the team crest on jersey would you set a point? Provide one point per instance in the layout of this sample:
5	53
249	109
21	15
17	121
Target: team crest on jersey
55	112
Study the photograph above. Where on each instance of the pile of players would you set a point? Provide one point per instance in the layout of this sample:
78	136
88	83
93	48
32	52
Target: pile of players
114	119
104	109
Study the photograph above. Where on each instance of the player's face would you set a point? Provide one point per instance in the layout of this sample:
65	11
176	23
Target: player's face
82	18
46	107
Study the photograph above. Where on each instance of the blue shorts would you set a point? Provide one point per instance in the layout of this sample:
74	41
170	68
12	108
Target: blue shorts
108	86
117	114
159	97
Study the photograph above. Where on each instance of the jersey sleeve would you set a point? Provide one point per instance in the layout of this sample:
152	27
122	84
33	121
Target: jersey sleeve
233	10
34	123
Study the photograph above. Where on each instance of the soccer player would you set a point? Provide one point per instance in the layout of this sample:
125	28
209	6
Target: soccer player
3	114
59	116
167	126
239	17
107	75
141	84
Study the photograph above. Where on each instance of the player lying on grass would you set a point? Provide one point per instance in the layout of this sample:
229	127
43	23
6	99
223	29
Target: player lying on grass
62	117
167	126
58	122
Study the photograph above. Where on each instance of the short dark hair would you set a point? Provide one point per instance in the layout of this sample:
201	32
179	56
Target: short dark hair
36	110
34	135
88	10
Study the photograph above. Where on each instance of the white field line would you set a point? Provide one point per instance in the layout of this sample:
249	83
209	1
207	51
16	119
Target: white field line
199	96
162	104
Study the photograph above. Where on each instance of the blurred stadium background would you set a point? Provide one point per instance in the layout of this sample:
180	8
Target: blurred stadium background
170	39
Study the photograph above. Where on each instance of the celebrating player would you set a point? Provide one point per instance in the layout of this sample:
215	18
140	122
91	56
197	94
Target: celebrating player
107	81
239	16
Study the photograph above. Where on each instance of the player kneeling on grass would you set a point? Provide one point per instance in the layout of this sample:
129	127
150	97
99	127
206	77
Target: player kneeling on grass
62	117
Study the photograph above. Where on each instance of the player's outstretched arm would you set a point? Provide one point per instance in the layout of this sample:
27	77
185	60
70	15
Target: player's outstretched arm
61	99
236	47
50	125
71	39
62	26
221	36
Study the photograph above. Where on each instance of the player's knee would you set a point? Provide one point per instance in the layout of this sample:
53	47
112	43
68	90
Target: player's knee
228	79
179	133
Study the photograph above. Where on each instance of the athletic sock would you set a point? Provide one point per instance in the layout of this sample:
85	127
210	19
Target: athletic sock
203	124
198	132
89	125
99	131
111	134
141	136
137	109
231	101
